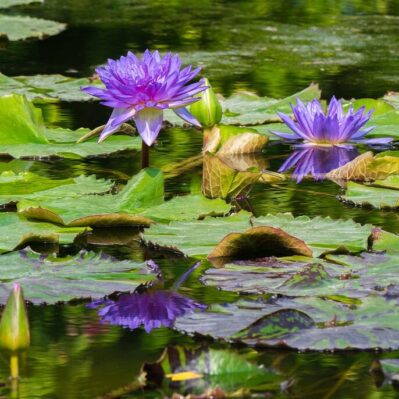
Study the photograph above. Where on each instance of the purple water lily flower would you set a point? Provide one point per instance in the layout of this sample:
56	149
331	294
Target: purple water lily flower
317	160
140	89
335	127
152	309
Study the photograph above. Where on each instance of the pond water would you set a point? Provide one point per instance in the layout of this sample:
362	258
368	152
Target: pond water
272	48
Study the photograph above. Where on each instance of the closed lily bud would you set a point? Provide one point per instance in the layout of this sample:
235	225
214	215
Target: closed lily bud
208	110
14	324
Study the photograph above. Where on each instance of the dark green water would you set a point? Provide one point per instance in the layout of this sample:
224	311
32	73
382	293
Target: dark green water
273	48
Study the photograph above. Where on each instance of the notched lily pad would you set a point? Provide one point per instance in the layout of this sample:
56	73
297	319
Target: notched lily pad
259	242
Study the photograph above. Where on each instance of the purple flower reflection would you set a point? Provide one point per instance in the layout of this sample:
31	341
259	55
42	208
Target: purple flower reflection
317	160
313	125
141	89
152	309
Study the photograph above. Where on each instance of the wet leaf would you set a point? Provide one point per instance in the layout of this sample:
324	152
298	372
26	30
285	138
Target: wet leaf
87	275
258	242
47	87
29	186
16	27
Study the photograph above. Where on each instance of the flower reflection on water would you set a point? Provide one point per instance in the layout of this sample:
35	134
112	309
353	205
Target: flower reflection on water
152	309
317	161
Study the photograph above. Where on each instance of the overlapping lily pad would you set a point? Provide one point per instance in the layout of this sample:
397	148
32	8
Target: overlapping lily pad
140	203
322	235
29	186
23	135
16	231
51	279
47	87
12	3
15	27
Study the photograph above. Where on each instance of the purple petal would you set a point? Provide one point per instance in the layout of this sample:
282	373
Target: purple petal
118	116
382	140
187	116
149	123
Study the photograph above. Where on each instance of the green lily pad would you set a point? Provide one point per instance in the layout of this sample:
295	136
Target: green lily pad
47	87
16	231
199	238
29	186
16	27
23	135
139	203
382	194
51	280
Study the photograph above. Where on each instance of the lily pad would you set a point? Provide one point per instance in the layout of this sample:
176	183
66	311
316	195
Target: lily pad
23	135
87	275
140	203
47	87
29	186
16	231
16	27
375	195
321	235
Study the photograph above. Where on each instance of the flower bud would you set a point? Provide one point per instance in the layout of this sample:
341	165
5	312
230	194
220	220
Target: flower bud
14	324
208	110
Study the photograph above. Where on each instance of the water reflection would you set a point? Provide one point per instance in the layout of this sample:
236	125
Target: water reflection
152	309
317	161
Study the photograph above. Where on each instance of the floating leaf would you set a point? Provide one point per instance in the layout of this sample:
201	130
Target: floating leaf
139	204
88	275
22	134
321	235
29	186
16	231
47	87
16	27
374	195
258	242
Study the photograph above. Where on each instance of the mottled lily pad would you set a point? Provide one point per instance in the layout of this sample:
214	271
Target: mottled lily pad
16	27
88	275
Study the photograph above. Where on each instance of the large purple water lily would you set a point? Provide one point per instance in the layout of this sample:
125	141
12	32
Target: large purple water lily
152	309
335	127
317	161
140	89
